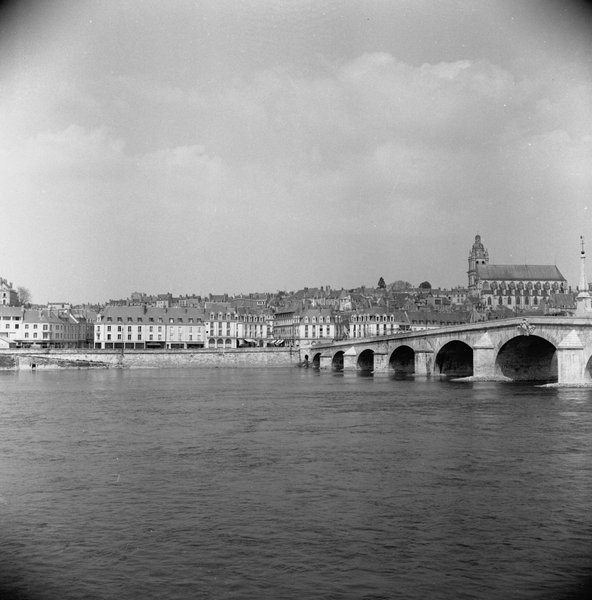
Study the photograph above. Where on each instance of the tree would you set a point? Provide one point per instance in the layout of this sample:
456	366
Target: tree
400	285
24	295
425	285
381	284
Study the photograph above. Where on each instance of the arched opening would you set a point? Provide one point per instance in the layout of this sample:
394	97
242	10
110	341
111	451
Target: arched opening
337	361
528	358
455	359
366	361
402	361
588	371
316	361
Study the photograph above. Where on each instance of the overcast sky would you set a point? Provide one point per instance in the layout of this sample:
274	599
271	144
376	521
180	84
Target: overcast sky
256	145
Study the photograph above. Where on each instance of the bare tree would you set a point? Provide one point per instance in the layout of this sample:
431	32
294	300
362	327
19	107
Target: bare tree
24	295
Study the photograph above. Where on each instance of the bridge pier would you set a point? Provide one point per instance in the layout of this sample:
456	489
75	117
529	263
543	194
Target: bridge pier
571	361
484	354
325	362
350	362
381	363
423	362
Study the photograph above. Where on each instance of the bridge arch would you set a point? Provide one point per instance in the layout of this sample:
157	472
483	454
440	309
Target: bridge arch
365	361
402	360
316	361
337	361
528	358
454	359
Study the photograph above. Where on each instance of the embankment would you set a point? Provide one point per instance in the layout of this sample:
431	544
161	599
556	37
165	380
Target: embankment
15	360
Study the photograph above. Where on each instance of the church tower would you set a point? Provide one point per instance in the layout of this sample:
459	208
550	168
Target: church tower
477	256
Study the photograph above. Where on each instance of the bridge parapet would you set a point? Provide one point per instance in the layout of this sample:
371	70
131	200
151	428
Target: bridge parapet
568	339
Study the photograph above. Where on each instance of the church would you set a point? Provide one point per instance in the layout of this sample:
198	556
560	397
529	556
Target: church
512	286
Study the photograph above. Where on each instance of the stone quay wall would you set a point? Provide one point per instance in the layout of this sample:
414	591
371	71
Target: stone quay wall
15	360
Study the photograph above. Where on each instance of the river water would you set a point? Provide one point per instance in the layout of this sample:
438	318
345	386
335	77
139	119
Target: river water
291	484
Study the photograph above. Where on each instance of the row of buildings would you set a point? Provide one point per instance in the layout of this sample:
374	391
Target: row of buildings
218	327
287	318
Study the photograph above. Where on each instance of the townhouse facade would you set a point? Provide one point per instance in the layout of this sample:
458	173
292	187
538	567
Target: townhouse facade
375	322
149	327
300	327
180	328
43	328
228	328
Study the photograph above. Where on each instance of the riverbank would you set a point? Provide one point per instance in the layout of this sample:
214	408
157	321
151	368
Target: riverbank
17	360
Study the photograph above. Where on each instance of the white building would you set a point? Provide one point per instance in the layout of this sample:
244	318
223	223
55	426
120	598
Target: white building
238	328
141	327
375	322
26	328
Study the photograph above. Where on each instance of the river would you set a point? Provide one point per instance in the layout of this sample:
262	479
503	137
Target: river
291	484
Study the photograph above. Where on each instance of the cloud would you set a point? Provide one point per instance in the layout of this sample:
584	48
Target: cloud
372	149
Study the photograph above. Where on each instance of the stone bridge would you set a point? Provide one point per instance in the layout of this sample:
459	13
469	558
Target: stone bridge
542	349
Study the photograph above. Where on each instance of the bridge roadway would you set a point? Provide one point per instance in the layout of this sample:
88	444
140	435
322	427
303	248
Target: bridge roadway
550	349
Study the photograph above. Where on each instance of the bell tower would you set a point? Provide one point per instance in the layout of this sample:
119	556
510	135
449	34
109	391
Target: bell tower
477	256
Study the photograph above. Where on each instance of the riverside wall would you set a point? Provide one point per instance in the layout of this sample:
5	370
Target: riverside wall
18	360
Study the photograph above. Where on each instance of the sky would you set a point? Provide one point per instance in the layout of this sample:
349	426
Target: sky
261	145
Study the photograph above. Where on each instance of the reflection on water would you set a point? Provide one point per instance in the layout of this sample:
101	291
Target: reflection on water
291	484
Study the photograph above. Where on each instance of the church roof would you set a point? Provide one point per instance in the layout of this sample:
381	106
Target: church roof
520	272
